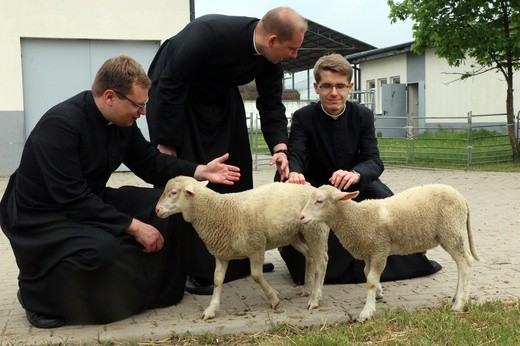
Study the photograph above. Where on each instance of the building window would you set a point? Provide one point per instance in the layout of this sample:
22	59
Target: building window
395	80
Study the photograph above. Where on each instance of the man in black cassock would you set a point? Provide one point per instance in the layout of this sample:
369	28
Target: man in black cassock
333	142
88	253
196	111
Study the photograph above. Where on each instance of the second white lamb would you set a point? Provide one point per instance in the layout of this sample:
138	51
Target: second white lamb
415	220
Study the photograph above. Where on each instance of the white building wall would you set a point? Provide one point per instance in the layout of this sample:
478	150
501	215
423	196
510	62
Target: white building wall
75	19
448	96
445	96
386	69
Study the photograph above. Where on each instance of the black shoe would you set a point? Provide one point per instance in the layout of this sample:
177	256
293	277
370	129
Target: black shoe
268	267
436	266
39	320
194	286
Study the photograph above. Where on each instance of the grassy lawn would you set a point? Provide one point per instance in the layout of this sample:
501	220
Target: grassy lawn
490	323
482	151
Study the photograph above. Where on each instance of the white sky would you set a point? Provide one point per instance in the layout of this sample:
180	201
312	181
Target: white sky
364	20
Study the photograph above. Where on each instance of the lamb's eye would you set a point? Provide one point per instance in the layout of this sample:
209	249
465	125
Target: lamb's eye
319	201
172	193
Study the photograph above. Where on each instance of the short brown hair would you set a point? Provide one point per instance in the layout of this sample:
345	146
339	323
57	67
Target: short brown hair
284	22
119	73
335	63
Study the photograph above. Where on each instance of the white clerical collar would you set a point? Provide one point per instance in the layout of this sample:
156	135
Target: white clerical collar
254	43
335	117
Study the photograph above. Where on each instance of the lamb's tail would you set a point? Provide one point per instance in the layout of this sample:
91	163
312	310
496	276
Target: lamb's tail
470	237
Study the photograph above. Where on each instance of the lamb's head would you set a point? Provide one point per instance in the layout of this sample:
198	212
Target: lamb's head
177	196
322	203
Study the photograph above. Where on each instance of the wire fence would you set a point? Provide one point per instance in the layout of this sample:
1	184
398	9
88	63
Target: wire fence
469	140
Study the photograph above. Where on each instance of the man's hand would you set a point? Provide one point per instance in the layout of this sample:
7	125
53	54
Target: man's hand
167	150
147	235
281	159
297	178
216	171
343	179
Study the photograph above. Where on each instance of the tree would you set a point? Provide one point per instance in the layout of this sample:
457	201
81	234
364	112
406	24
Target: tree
486	31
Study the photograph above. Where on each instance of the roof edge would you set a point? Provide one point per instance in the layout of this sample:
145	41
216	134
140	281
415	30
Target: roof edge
379	53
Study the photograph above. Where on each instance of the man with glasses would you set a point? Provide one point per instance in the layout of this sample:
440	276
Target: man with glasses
333	142
88	253
196	111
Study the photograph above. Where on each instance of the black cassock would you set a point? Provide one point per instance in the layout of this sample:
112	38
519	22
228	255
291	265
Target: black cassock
66	227
320	145
195	106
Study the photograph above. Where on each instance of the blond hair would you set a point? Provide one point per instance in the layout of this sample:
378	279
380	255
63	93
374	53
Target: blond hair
119	74
335	63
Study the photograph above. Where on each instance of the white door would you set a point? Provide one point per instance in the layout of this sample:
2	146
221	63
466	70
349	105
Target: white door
56	69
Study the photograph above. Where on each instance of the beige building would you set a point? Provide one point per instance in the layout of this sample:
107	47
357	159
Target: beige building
433	89
51	50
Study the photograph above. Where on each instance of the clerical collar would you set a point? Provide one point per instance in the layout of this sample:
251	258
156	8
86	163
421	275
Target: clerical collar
254	43
333	116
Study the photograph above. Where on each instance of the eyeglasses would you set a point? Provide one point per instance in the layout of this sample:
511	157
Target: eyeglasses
138	105
329	87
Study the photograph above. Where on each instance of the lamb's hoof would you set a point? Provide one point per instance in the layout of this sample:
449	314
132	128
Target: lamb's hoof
312	306
305	294
275	304
458	307
379	296
208	315
364	316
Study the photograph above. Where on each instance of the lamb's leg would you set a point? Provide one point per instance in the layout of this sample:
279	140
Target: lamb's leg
310	267
257	261
218	281
379	288
377	265
318	248
465	270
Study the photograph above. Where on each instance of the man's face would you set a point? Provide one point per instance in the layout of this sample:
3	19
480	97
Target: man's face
128	108
333	90
279	51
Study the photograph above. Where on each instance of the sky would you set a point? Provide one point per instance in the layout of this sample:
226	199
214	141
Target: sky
364	20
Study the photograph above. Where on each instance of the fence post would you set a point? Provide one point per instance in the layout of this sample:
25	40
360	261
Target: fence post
517	123
409	138
470	139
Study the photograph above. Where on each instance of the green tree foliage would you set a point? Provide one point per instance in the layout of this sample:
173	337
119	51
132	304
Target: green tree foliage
488	32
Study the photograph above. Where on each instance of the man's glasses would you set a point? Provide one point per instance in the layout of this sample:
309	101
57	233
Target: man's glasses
138	105
329	87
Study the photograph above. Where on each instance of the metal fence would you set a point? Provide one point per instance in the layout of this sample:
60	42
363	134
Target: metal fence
468	140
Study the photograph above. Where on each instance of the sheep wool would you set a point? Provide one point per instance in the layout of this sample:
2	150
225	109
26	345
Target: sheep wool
415	220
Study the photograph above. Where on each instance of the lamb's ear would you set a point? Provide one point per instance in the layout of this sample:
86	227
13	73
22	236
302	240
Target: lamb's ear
343	196
204	182
189	189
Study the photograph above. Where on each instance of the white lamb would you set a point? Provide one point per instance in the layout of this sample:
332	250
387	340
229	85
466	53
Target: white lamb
414	220
245	225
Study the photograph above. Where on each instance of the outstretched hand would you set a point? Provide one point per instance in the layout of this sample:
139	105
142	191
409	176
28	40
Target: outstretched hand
216	171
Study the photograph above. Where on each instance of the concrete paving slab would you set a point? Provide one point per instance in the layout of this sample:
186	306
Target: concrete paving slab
493	200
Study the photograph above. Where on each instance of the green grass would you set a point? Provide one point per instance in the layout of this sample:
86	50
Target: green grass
448	148
490	323
484	151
